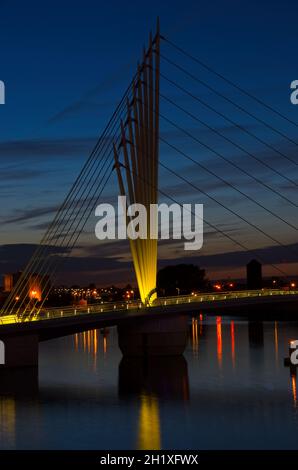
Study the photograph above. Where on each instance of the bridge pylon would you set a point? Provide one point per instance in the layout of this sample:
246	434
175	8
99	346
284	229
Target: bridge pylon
138	170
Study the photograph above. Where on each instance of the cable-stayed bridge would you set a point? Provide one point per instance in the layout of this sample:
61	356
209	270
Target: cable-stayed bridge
130	148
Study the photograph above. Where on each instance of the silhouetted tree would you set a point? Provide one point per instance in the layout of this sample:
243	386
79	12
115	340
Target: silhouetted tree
180	279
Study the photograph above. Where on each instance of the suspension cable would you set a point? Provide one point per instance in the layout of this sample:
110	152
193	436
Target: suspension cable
233	84
211	225
238	126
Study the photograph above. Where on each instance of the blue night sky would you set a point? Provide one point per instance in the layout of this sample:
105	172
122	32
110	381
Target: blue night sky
66	65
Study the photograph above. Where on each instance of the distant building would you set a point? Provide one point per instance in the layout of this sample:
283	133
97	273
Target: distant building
7	282
254	274
35	287
10	280
35	284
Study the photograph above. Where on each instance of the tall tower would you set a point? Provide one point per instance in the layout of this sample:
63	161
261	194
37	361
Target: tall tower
138	170
254	274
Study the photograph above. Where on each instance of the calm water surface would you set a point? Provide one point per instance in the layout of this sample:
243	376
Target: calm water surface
230	390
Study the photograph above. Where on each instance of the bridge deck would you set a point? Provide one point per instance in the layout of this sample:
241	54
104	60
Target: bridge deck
61	322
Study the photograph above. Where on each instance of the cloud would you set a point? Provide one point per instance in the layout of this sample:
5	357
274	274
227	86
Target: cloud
76	206
16	174
111	261
29	214
14	257
50	148
85	268
269	255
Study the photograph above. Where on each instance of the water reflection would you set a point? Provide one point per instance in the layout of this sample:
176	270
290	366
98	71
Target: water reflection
219	341
164	377
294	387
195	332
201	324
7	421
232	328
195	336
149	435
256	345
87	390
105	344
150	380
19	382
88	341
256	334
276	343
76	341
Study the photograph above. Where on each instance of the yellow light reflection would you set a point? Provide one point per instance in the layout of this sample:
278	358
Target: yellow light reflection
95	348
276	342
195	336
76	342
219	340
89	341
149	437
7	420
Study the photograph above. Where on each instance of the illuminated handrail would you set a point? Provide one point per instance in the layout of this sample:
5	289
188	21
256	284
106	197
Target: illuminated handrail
200	297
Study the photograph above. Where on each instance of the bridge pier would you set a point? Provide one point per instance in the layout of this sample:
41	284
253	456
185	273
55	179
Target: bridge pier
18	351
159	336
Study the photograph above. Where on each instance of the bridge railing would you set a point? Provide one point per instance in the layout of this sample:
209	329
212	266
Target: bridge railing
105	307
70	311
219	296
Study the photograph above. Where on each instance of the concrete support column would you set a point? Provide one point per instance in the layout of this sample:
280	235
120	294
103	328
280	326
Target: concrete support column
153	336
18	351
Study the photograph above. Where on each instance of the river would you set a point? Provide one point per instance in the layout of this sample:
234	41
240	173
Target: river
231	390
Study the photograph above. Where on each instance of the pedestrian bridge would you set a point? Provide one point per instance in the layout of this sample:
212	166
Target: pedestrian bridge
162	304
160	327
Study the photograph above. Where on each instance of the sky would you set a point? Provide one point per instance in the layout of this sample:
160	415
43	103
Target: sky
66	65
